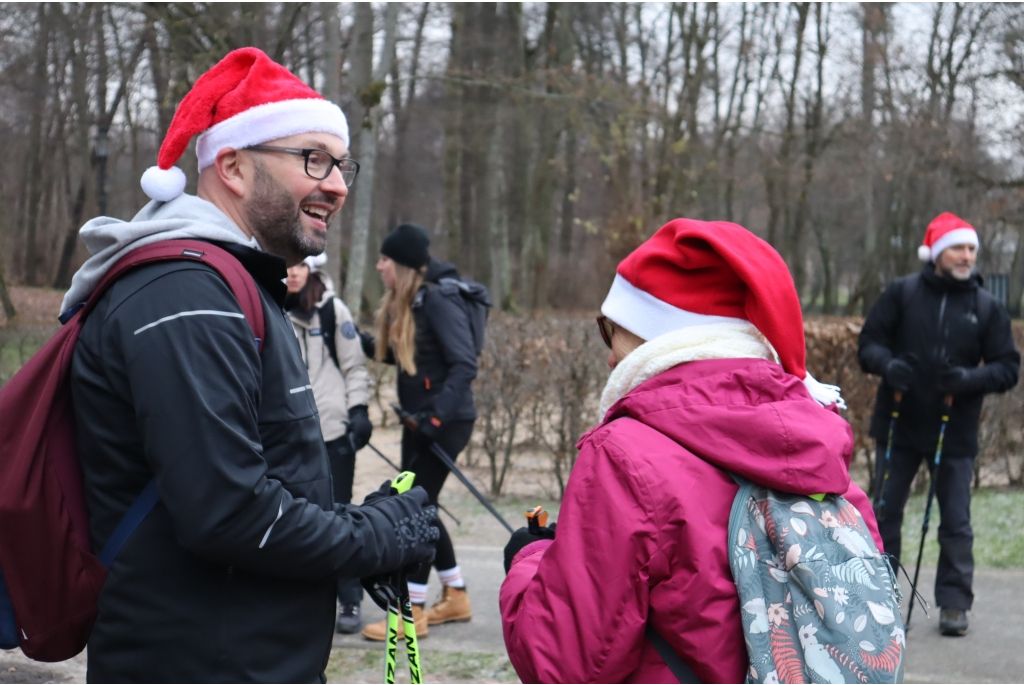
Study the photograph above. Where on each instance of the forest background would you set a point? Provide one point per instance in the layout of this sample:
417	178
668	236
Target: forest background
539	144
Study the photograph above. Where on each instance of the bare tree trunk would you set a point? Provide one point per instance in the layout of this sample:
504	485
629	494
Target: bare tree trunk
370	97
453	136
5	298
332	91
400	175
1016	288
869	287
86	194
569	198
34	189
501	267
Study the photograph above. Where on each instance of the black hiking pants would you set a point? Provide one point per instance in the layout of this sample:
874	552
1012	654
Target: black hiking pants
431	474
343	472
955	573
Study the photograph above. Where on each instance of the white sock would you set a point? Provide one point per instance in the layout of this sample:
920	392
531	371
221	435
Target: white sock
417	593
451	577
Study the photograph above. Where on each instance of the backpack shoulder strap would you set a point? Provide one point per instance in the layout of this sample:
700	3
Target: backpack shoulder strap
680	669
138	511
244	289
329	329
985	302
221	261
907	287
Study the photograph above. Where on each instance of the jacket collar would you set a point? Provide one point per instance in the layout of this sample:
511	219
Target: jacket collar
947	284
266	269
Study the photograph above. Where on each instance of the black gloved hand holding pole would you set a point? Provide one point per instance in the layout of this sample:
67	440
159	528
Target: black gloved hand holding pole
899	373
955	380
536	530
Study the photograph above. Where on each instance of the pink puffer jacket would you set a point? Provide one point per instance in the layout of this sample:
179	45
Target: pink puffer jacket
642	527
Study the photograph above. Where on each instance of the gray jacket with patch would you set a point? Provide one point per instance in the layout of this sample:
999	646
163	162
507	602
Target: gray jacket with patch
336	388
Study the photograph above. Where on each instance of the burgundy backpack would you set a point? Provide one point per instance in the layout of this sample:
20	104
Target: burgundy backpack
52	576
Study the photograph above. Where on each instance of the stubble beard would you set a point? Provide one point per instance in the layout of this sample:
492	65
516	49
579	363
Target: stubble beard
276	220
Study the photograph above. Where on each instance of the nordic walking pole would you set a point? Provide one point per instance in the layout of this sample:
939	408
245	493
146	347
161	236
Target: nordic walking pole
412	646
947	403
395	467
447	461
880	491
400	604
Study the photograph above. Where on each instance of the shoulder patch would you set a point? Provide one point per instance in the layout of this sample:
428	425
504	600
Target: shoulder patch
348	329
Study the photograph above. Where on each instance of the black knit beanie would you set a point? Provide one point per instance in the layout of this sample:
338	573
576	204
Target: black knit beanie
407	244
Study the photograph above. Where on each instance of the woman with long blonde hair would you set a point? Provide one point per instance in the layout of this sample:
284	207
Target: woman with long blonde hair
424	329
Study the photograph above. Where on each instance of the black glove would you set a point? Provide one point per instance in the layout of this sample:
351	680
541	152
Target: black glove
383	491
359	426
954	380
412	521
521	538
899	374
427	425
368	343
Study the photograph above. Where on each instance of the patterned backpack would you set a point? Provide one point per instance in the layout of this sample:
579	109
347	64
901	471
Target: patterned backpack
819	602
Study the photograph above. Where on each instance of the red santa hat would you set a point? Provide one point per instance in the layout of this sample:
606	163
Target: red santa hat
693	273
945	230
245	99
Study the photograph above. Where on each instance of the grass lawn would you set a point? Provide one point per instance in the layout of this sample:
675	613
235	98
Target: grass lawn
998	522
17	346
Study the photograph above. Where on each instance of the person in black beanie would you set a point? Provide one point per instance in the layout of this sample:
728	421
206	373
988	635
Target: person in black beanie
425	328
408	245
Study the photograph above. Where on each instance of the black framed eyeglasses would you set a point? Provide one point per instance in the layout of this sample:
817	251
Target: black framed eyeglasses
607	328
319	163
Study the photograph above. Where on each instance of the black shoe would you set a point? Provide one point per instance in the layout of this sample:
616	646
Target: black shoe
349	620
952	621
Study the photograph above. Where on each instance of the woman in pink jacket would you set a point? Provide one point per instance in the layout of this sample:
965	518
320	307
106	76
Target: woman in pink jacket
709	378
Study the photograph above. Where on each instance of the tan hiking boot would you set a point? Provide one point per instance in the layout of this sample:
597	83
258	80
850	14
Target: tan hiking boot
378	632
453	606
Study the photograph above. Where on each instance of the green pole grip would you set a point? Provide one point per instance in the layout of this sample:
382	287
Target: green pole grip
403	482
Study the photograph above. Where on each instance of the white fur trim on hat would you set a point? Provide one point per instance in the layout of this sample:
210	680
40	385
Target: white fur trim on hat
314	262
163	185
958	236
643	314
271	121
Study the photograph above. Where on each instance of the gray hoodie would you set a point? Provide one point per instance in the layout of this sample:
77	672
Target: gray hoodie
108	239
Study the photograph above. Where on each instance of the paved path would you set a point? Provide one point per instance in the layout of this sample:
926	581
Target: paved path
483	570
991	653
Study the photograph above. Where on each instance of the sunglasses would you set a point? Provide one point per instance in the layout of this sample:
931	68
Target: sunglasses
607	328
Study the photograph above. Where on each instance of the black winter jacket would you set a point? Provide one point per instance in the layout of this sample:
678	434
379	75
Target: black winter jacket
232	576
445	353
937	319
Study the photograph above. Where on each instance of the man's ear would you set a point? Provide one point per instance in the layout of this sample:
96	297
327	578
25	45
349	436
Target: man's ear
233	171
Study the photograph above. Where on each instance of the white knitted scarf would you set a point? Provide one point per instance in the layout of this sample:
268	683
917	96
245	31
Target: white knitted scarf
711	341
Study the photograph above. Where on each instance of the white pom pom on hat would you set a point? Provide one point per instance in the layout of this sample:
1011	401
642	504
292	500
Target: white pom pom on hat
245	99
163	185
945	230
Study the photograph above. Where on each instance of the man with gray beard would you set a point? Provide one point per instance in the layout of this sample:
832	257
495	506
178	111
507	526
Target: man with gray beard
231	575
925	337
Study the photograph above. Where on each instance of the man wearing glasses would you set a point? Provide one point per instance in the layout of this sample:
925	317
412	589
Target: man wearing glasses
231	575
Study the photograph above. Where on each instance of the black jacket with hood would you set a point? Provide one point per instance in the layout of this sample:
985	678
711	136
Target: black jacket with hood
232	576
936	320
445	353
